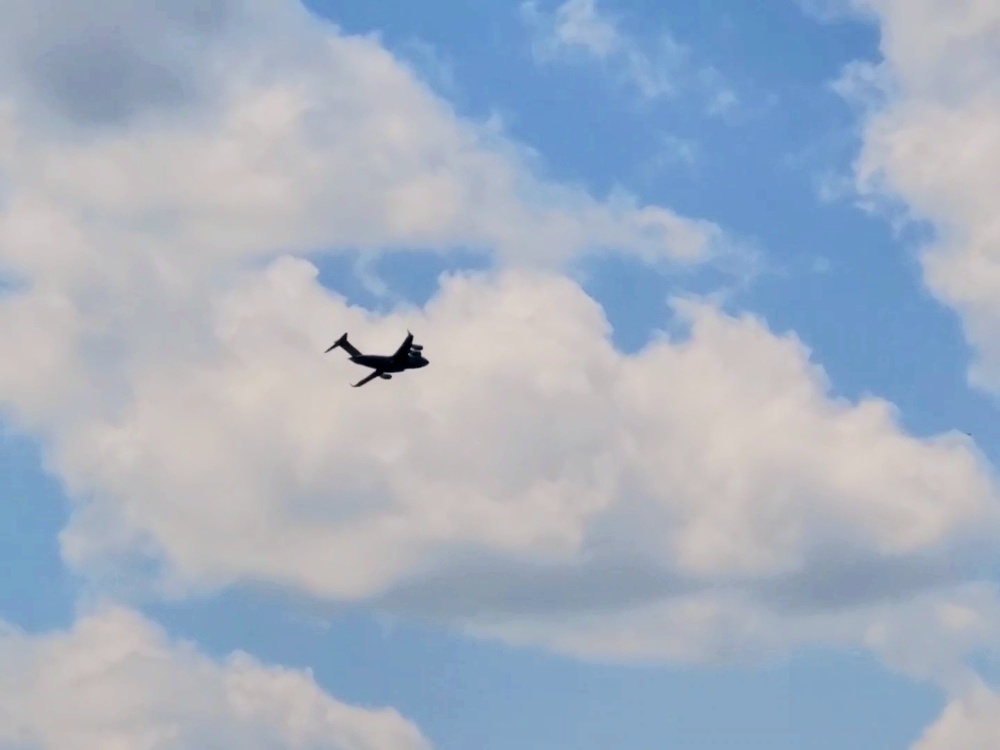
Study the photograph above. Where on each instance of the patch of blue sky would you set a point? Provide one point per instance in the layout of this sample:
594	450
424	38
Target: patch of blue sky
36	589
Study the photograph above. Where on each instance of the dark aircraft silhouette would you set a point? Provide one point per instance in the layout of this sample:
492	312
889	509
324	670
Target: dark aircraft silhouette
408	356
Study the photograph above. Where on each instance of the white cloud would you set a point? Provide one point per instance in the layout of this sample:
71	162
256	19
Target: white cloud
930	143
579	29
310	139
705	498
117	682
970	722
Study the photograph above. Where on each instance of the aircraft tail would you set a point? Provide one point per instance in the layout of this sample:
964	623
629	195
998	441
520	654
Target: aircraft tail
343	343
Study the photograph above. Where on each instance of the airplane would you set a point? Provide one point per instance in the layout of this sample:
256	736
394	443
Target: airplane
408	356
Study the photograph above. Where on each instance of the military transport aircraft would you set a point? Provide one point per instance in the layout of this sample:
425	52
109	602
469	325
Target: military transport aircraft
408	356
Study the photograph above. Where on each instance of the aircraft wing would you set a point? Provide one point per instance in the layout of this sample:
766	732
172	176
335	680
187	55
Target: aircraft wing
367	378
404	349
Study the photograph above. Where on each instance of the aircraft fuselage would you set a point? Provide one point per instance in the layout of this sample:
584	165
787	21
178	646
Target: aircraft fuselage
386	363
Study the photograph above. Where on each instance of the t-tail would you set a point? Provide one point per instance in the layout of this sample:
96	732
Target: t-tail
346	345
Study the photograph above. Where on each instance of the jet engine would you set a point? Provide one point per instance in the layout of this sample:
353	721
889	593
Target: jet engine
416	347
385	376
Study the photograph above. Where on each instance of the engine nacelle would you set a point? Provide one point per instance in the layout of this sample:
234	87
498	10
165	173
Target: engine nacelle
385	376
416	347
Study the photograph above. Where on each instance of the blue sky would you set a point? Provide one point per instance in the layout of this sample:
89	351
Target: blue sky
773	168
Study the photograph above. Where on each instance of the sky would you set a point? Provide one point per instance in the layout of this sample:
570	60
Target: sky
706	452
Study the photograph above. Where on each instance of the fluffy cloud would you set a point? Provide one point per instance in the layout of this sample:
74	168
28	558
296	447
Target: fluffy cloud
704	498
971	722
302	138
933	111
116	681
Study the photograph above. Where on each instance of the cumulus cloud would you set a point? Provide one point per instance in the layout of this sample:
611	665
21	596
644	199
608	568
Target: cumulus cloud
970	722
703	498
932	111
115	680
578	29
311	139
